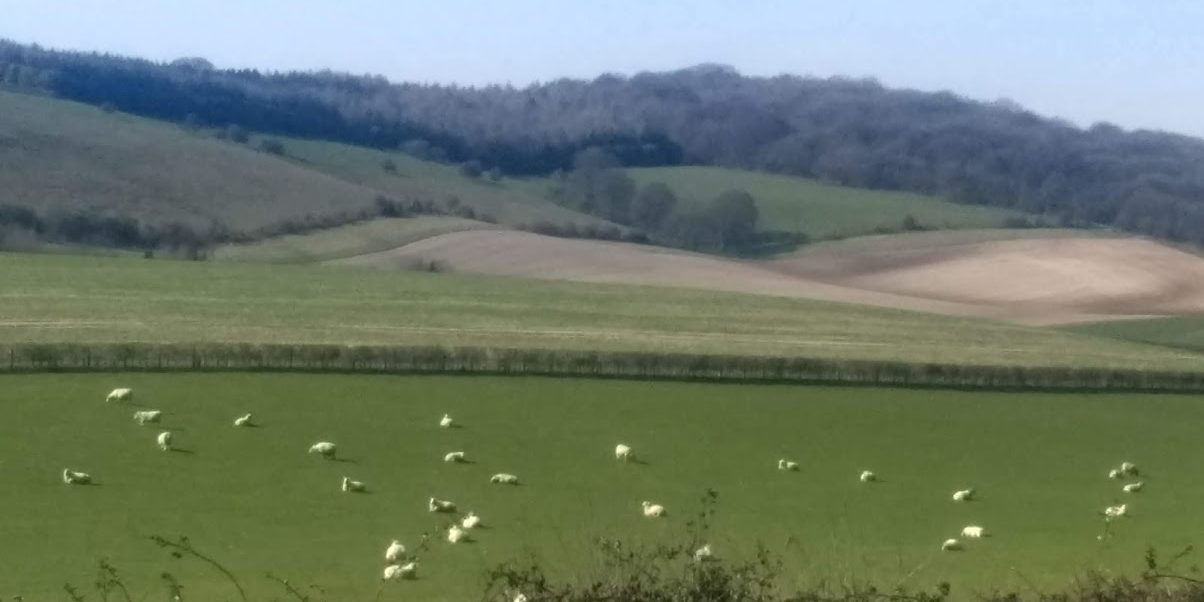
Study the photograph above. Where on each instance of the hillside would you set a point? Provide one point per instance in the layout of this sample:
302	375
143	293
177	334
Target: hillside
822	211
49	298
856	132
58	156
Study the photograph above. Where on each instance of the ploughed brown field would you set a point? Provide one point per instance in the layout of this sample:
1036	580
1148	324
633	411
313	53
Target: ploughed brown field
1033	277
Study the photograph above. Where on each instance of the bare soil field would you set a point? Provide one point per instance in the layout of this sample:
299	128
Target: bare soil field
1035	278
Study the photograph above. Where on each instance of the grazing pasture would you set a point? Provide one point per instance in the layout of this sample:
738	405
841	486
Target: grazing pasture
254	499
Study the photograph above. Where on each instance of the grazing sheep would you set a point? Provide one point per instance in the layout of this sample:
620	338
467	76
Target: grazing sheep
502	478
653	510
72	477
455	534
400	571
785	464
1112	512
165	441
704	553
868	476
951	545
1128	468
470	521
244	420
455	457
145	416
123	394
435	505
350	486
394	552
623	452
1133	487
325	448
446	421
1115	473
973	532
963	495
520	597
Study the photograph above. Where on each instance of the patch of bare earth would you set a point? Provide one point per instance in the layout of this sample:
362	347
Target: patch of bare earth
1033	280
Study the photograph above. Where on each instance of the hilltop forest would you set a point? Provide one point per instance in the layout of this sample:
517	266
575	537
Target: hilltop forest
854	132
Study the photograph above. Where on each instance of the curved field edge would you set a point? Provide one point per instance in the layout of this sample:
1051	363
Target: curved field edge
268	506
64	299
347	241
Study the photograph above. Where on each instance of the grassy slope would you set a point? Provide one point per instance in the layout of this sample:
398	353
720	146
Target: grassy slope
57	155
60	298
425	180
256	501
347	241
821	210
1185	332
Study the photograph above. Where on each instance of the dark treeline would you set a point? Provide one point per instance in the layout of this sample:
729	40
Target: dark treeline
849	131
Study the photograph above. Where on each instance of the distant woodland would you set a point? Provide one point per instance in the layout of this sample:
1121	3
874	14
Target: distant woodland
853	132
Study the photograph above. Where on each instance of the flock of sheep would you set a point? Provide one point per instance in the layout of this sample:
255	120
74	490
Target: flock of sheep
400	566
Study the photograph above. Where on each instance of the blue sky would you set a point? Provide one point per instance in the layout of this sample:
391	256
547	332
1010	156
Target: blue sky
1137	63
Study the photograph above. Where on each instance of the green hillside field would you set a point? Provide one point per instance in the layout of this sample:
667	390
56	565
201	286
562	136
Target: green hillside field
253	499
822	211
50	298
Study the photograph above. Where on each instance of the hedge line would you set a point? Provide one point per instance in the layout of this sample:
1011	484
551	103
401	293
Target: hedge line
35	357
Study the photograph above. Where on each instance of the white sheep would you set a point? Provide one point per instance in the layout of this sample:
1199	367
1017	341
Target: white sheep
1128	468
520	597
868	476
400	571
1133	487
1115	473
653	510
123	394
164	441
350	486
963	495
325	448
244	420
145	416
785	464
394	552
72	477
704	553
623	452
435	505
455	534
1113	512
503	478
454	457
951	545
973	532
470	521
446	421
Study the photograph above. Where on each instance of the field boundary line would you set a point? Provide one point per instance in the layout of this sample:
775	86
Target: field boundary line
245	357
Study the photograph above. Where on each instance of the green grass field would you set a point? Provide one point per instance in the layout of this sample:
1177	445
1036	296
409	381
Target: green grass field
1183	332
255	500
50	298
347	241
820	210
